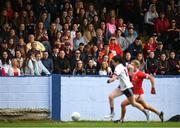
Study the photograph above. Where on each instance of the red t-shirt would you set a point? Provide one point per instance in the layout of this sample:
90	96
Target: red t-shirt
137	80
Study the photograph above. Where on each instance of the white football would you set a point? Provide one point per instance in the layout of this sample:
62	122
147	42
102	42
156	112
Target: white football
75	116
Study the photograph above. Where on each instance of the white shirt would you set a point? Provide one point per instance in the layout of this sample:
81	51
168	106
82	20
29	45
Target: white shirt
123	77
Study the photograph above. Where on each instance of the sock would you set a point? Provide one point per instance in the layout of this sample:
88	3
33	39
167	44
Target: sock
112	110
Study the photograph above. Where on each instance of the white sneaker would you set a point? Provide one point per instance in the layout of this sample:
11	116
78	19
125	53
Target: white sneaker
110	116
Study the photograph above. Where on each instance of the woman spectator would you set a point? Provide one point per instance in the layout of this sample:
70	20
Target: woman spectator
42	36
67	38
19	58
140	58
162	65
110	28
121	25
149	46
12	35
79	69
91	69
127	58
11	46
14	70
58	24
5	63
105	69
96	22
104	13
30	67
114	47
150	17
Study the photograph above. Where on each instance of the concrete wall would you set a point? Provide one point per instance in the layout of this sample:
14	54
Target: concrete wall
89	97
25	92
86	95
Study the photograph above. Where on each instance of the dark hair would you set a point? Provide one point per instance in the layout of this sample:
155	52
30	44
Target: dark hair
118	58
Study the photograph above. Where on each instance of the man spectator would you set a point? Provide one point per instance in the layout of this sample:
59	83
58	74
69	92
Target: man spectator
135	47
61	65
47	61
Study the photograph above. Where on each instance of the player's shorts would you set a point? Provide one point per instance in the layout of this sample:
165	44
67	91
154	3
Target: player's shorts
128	92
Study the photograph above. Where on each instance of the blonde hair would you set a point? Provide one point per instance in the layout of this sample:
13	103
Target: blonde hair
136	63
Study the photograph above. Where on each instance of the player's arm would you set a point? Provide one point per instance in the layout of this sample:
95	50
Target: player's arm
152	80
113	78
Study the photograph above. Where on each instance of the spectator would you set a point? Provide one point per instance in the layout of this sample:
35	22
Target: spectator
135	47
19	58
41	68
128	58
114	47
105	69
30	66
159	50
121	25
161	24
140	58
79	69
11	46
40	46
130	38
150	16
110	28
91	12
14	70
68	51
78	39
121	40
174	65
151	64
173	37
99	39
149	46
91	69
5	63
47	62
162	65
61	65
22	33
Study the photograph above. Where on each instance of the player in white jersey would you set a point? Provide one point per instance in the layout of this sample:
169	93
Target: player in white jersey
125	87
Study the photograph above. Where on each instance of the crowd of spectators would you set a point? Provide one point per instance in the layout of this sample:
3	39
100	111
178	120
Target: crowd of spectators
42	37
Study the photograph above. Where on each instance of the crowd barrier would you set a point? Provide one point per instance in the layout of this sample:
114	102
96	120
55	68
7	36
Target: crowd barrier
87	95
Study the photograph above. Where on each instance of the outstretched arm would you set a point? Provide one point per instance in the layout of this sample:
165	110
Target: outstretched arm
152	80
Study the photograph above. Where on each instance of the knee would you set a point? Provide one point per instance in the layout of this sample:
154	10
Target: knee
123	105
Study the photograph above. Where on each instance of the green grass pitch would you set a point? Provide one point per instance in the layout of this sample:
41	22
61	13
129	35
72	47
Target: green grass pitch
85	124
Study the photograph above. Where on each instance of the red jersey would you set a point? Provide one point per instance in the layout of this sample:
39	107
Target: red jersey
137	80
